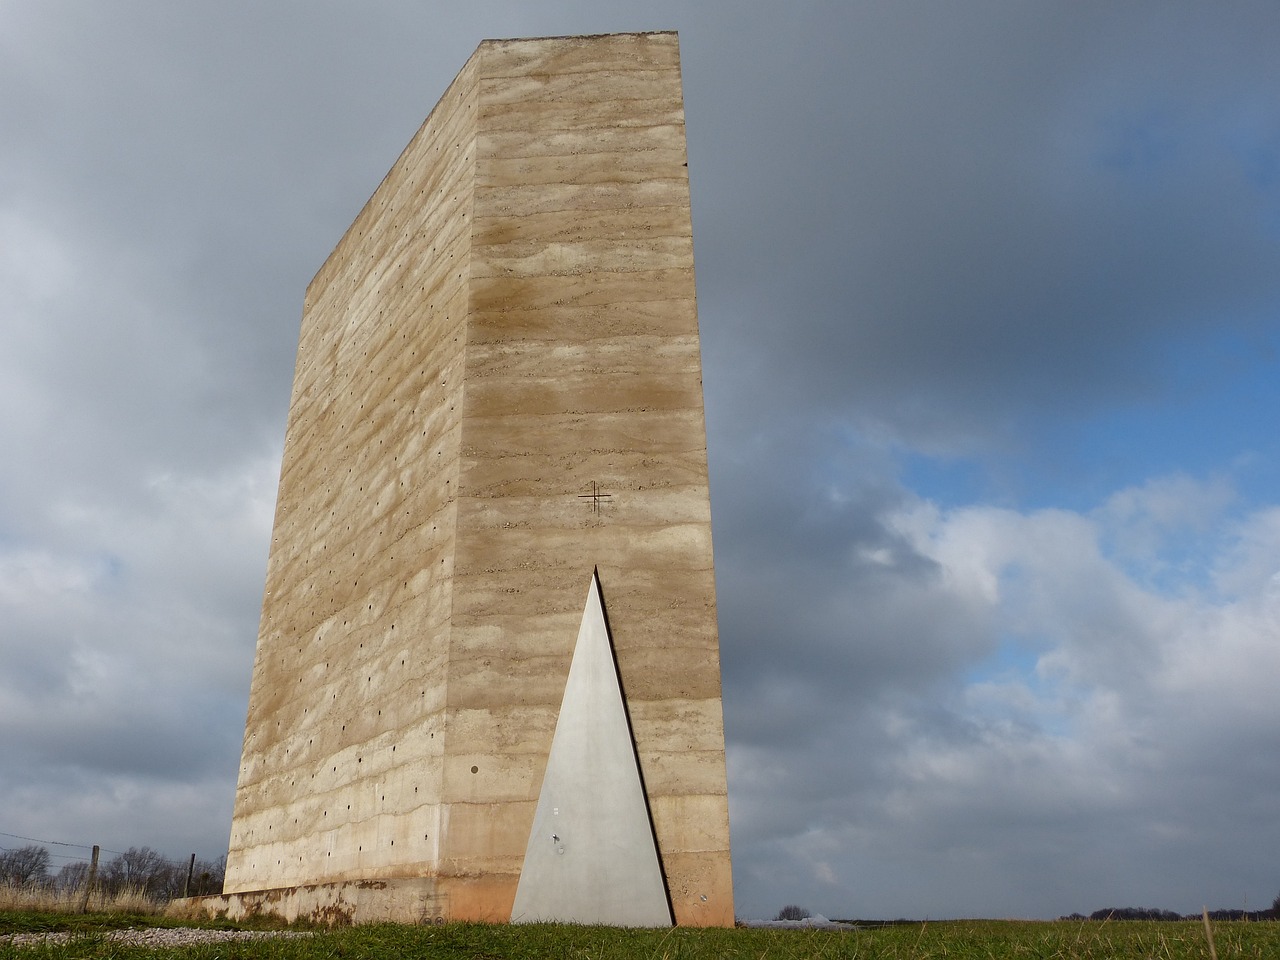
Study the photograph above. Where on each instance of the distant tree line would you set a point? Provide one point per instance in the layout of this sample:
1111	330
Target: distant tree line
1134	913
137	870
1151	913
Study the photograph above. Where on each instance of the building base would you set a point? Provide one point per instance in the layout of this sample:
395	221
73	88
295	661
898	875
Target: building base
416	900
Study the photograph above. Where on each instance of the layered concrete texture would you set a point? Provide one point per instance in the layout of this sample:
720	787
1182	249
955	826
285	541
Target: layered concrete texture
498	390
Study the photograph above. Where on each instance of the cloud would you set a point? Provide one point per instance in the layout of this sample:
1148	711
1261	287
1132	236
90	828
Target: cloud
1116	714
952	211
127	650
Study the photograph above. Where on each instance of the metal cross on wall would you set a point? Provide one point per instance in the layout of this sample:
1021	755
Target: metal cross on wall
595	496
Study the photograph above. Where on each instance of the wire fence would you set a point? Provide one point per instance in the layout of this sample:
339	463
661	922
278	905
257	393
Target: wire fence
30	861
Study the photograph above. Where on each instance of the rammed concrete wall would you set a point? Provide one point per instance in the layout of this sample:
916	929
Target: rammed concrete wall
508	325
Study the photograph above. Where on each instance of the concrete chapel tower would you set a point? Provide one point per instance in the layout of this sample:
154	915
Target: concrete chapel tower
496	416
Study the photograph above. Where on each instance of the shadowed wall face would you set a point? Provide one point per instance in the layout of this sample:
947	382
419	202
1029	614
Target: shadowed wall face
498	390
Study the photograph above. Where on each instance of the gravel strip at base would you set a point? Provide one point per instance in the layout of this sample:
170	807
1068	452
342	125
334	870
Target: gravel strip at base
153	936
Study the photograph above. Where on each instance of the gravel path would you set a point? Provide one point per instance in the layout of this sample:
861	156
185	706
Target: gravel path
153	936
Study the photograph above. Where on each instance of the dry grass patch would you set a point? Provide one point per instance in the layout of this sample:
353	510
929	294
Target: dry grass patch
46	900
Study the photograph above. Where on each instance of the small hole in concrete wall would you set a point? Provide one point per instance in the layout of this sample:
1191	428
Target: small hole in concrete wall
475	769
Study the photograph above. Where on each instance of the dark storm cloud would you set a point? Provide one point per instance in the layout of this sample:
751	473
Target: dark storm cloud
1019	209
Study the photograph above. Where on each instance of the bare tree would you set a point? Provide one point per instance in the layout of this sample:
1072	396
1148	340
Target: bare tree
24	866
144	870
792	911
72	876
207	877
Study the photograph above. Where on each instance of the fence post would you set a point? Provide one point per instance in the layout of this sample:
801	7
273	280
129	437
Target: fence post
191	868
89	881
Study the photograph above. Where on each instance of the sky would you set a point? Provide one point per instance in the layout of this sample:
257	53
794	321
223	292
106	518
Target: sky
989	296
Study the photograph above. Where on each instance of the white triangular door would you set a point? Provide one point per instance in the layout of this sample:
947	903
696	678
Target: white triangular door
591	856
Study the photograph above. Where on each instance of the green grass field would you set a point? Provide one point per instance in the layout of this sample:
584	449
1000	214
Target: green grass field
953	940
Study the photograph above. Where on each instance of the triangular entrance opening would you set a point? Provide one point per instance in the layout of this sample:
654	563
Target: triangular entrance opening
592	856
